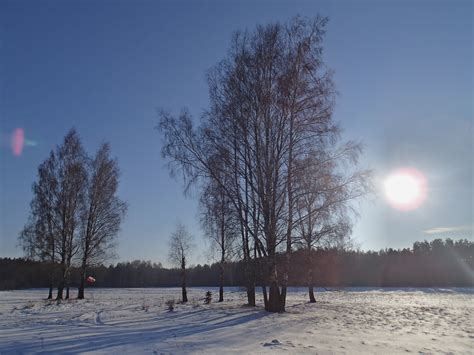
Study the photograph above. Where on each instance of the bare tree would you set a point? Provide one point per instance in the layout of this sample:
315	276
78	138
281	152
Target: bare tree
71	178
102	212
219	222
71	213
52	231
38	238
324	196
199	156
271	105
180	245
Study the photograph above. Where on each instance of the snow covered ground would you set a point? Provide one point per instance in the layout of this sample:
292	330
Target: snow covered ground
136	321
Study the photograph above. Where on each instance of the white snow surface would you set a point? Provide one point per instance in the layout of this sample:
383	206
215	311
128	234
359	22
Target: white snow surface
136	321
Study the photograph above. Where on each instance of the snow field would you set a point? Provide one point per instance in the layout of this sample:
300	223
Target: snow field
137	321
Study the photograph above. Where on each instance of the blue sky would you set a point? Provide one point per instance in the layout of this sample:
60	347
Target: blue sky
403	69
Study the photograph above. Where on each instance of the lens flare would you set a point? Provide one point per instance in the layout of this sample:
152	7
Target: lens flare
405	189
18	141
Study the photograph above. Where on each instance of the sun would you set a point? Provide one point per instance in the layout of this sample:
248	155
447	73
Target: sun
405	189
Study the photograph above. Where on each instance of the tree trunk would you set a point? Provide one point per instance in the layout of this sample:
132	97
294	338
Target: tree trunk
287	264
250	280
311	294
61	282
80	292
221	293
51	279
184	294
68	275
221	282
251	295
283	297
310	277
286	270
67	284
274	298
265	295
60	291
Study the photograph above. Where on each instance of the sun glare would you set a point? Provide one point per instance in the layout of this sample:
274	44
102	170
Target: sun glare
405	189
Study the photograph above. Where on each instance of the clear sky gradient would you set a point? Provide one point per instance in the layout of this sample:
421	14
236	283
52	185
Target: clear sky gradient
403	69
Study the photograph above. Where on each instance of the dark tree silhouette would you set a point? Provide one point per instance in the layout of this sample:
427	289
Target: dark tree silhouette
271	106
102	212
179	250
75	213
324	199
58	196
220	225
38	238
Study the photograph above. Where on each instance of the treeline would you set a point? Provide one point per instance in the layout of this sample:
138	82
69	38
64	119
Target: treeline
437	263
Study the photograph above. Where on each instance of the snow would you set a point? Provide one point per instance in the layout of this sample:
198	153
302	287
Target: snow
137	321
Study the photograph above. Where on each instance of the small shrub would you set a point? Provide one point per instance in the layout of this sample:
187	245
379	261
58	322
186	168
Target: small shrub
208	297
170	305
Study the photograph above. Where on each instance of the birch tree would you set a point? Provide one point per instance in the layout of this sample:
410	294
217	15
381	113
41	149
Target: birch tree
74	213
271	103
71	179
180	245
38	238
103	212
58	196
219	222
326	187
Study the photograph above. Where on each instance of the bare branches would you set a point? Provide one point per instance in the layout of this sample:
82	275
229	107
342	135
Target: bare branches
269	145
74	212
102	212
180	245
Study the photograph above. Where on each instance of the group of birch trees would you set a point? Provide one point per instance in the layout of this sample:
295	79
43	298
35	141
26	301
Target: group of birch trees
75	212
267	155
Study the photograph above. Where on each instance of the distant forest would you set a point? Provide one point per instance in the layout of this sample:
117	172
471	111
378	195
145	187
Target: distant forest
439	263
